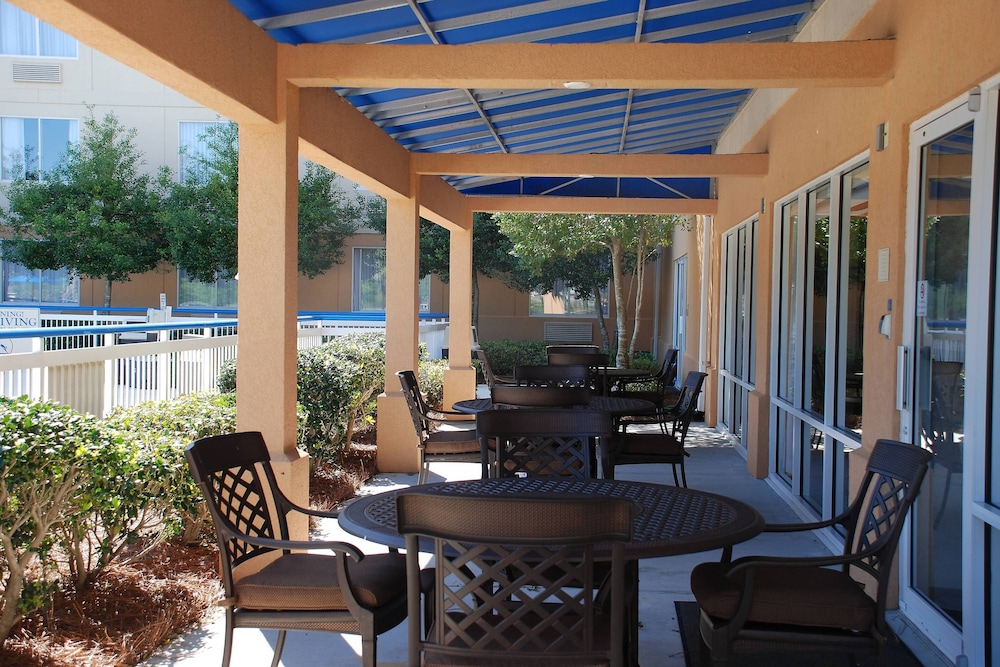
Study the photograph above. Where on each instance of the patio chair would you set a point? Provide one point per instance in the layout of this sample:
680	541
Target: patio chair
488	375
664	413
483	616
539	397
668	445
547	375
757	602
580	348
662	380
527	443
434	443
597	362
344	591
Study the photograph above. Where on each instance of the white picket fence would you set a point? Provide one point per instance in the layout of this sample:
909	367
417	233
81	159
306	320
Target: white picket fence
107	371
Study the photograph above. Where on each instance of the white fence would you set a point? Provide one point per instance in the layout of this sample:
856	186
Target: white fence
105	371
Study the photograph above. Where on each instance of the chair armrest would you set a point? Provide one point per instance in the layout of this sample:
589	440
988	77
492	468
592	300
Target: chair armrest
298	545
797	527
749	562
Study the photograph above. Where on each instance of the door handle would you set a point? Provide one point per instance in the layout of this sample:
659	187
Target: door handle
902	377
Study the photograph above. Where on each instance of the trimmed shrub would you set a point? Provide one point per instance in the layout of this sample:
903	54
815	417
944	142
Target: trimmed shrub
505	354
432	380
49	457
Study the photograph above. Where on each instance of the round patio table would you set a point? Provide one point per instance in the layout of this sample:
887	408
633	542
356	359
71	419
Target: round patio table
669	520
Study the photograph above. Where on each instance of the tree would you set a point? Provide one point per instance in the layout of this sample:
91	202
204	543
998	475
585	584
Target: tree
539	237
200	214
93	214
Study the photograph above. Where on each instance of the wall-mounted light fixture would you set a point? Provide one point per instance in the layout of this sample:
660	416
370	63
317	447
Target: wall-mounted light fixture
576	85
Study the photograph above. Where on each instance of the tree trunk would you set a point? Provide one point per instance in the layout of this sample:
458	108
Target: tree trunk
640	279
601	324
107	292
620	302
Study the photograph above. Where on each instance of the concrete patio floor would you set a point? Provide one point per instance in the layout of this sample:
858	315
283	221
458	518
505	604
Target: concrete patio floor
713	466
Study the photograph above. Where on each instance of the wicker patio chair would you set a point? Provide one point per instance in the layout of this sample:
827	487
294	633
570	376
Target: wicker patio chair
483	616
488	375
526	443
668	445
548	375
664	413
434	443
344	591
757	602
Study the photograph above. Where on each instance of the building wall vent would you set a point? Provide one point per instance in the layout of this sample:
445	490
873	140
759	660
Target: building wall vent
37	73
568	332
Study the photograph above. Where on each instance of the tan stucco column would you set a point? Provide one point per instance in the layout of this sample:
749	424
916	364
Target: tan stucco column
397	440
268	284
460	378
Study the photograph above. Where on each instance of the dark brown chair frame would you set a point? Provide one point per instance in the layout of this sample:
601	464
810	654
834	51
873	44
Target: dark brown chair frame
367	594
539	397
662	380
528	443
597	362
484	616
757	602
434	444
488	375
668	445
548	375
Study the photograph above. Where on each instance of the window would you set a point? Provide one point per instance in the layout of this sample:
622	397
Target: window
23	285
561	300
820	245
21	34
193	148
193	293
30	147
368	293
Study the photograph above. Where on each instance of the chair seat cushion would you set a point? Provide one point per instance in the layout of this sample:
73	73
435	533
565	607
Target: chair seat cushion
305	581
451	442
649	444
801	596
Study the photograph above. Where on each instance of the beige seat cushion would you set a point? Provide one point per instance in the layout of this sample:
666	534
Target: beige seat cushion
309	582
802	596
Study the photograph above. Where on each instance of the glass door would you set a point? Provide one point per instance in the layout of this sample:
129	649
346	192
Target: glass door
938	334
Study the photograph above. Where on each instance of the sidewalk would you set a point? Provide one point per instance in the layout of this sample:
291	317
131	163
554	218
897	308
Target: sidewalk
714	466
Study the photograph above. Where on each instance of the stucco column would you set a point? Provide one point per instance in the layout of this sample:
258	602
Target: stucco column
460	378
397	440
268	285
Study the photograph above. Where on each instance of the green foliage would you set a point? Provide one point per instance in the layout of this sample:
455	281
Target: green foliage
94	214
431	375
338	383
49	455
505	354
201	212
159	431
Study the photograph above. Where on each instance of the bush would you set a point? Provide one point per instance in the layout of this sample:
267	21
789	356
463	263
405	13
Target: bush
432	380
505	354
160	431
49	457
338	383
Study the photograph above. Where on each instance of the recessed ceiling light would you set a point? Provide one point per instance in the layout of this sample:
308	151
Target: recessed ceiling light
576	85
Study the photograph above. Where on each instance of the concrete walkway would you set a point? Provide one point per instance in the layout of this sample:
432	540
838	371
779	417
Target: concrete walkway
714	466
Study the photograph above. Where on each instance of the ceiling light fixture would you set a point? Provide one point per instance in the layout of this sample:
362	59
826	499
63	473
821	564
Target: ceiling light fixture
576	85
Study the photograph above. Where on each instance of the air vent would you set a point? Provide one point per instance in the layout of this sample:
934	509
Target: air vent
37	73
568	332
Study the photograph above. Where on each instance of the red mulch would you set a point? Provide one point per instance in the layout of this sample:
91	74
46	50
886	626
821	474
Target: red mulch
132	609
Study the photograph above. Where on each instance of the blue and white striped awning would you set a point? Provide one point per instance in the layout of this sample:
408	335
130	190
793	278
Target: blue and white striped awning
563	121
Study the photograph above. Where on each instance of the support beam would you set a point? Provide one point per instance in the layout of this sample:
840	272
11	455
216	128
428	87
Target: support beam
638	166
444	205
604	66
268	290
397	440
207	51
608	205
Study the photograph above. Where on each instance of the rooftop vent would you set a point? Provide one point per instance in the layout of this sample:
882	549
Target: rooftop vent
568	332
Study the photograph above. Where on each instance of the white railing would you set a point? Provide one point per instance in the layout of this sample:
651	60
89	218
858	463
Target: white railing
108	372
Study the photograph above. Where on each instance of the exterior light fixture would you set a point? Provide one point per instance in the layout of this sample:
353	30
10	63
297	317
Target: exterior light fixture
576	85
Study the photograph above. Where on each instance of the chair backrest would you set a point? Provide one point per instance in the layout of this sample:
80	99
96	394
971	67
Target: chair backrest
482	615
531	443
682	412
581	349
235	476
596	362
667	374
539	397
415	403
484	363
547	375
875	518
